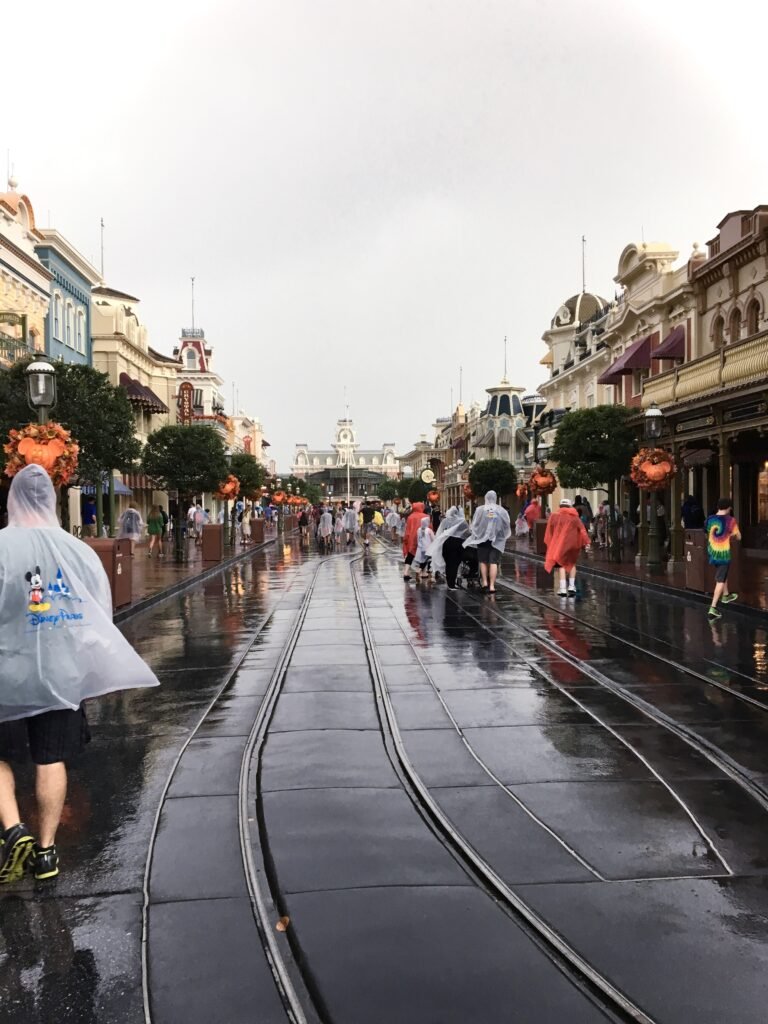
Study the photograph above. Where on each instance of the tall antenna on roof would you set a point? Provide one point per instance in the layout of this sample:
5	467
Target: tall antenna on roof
583	264
193	302
505	357
102	248
461	383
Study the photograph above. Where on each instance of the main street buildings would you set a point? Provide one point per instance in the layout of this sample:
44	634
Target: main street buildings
691	337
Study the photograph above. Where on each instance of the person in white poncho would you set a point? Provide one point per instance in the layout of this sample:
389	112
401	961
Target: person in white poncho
489	533
446	549
325	531
58	648
351	524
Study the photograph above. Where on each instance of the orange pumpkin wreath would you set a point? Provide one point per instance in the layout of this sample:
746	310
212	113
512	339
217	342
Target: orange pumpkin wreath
652	469
543	481
47	444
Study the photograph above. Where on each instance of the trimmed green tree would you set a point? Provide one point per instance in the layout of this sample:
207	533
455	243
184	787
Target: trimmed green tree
493	475
251	474
189	460
97	413
418	491
387	490
593	449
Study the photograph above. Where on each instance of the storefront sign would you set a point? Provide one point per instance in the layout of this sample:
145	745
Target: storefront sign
186	396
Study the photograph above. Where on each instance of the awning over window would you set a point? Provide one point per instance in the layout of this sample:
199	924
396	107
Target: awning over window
636	357
120	488
141	395
673	346
504	436
459	443
486	441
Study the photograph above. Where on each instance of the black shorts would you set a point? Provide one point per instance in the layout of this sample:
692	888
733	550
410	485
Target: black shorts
488	554
721	572
409	559
47	738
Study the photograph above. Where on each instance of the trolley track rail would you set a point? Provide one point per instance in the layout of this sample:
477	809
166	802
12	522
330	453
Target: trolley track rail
718	757
610	998
297	1005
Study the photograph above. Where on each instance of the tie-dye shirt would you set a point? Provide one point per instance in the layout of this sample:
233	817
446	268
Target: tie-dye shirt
721	530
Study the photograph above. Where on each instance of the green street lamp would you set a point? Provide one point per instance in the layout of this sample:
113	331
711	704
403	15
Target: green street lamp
653	424
41	388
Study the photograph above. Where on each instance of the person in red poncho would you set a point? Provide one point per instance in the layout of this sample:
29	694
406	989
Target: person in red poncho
564	538
411	536
532	515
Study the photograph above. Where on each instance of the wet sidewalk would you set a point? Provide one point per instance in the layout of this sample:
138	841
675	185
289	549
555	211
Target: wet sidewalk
753	590
156	578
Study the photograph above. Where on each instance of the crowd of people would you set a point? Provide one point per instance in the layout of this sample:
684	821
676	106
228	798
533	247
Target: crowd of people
434	546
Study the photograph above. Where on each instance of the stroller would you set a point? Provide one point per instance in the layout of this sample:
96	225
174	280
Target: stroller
468	575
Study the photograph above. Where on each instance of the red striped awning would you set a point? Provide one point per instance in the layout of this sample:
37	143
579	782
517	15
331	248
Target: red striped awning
673	346
636	357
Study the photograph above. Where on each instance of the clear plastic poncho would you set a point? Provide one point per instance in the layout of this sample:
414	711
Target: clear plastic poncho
351	524
325	525
393	520
453	525
490	525
58	645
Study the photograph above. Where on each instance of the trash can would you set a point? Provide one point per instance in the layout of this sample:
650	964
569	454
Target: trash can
213	542
695	556
539	529
257	531
115	556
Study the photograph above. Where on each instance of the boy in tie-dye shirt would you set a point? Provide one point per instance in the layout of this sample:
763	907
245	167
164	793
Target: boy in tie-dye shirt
721	529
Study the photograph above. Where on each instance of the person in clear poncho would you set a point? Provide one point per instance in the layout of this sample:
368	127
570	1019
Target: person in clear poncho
58	648
490	531
446	549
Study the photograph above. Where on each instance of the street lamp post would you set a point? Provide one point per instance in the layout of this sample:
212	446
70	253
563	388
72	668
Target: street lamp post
653	422
41	388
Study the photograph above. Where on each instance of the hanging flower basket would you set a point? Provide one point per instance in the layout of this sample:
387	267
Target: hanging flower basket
468	492
543	481
279	497
48	445
433	496
652	469
229	490
522	491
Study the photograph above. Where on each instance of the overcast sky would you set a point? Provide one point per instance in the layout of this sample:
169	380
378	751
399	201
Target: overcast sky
372	194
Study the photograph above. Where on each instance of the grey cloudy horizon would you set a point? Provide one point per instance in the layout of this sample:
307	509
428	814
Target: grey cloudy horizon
372	194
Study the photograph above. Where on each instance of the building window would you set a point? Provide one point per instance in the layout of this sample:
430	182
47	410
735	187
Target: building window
57	316
68	339
746	225
753	317
590	401
504	407
638	376
81	331
191	359
734	326
717	332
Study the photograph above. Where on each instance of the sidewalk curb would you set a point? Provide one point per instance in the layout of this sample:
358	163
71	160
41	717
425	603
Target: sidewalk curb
128	612
660	588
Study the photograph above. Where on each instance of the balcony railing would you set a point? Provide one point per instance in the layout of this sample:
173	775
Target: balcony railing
11	350
745	362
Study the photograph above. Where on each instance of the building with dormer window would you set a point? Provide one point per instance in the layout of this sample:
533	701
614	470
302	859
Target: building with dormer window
194	357
25	284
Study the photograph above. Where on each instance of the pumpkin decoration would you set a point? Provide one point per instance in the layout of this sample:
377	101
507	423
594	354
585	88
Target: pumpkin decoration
543	481
522	491
652	469
278	497
468	492
48	445
229	489
398	502
433	496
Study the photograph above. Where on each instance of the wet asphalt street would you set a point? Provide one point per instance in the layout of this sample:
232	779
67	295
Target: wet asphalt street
373	802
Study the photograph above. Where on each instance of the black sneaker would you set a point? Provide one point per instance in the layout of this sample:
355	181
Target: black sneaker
14	852
45	863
